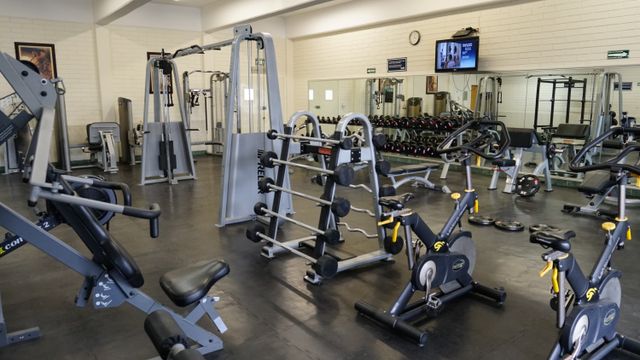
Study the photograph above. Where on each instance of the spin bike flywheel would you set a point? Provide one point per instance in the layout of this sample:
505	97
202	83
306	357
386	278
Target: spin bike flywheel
580	326
427	265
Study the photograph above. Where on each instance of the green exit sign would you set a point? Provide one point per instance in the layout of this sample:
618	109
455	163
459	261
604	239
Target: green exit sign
617	54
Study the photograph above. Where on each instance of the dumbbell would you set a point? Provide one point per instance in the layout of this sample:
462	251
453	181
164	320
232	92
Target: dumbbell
342	175
339	206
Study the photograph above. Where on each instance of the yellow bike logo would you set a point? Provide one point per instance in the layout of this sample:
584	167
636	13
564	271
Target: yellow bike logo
591	292
438	245
1	251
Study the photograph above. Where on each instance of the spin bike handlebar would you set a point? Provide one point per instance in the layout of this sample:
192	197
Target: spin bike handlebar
478	144
611	164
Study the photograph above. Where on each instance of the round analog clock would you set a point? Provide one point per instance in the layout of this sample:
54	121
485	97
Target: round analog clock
414	37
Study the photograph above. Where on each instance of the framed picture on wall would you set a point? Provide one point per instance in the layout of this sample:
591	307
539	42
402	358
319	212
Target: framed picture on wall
432	84
152	54
43	56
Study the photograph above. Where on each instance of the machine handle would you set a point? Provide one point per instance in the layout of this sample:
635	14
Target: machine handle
152	214
611	164
474	145
124	188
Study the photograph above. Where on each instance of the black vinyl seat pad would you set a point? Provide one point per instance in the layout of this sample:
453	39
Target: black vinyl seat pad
189	284
413	168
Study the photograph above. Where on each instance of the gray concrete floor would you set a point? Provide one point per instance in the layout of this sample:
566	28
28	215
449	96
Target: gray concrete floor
272	313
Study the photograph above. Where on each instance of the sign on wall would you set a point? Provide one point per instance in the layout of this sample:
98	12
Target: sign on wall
617	54
397	64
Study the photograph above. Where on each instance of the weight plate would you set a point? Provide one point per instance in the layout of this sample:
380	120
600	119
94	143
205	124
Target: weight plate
542	227
527	185
481	220
509	225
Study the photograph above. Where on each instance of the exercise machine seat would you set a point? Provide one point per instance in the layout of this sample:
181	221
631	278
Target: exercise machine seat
504	162
189	284
412	168
557	240
396	202
572	131
521	137
597	182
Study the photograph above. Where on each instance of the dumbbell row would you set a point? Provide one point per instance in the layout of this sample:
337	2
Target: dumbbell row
325	266
342	175
417	147
441	124
339	206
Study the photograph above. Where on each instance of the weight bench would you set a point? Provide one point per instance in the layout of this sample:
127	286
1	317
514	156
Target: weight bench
571	138
597	185
522	140
416	173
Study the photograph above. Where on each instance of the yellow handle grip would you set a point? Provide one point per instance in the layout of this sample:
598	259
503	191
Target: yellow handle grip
476	206
628	232
394	236
385	222
546	268
554	281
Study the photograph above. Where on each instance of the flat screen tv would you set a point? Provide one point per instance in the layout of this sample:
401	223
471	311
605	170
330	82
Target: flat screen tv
457	54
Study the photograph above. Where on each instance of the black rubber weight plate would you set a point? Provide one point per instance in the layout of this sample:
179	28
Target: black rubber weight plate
509	225
543	227
481	220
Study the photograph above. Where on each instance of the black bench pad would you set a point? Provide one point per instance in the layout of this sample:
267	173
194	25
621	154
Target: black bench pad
597	182
413	168
189	284
504	162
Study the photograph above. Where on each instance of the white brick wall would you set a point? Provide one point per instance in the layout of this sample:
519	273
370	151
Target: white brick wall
75	59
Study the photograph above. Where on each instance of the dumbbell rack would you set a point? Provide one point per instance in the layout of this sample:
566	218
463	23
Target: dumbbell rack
336	157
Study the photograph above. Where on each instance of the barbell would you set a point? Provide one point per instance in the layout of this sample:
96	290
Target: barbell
342	175
339	206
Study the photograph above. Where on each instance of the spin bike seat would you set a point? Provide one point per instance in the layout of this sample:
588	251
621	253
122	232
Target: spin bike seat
189	284
395	202
557	240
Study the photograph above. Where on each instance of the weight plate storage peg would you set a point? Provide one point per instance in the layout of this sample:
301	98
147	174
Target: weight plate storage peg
509	225
481	220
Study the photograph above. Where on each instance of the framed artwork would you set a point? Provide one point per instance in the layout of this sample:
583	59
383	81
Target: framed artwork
152	54
432	84
43	56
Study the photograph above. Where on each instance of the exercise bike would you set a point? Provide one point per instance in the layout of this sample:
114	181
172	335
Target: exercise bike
593	302
444	272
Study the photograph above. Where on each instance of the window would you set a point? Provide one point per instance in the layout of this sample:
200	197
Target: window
248	94
328	95
310	94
